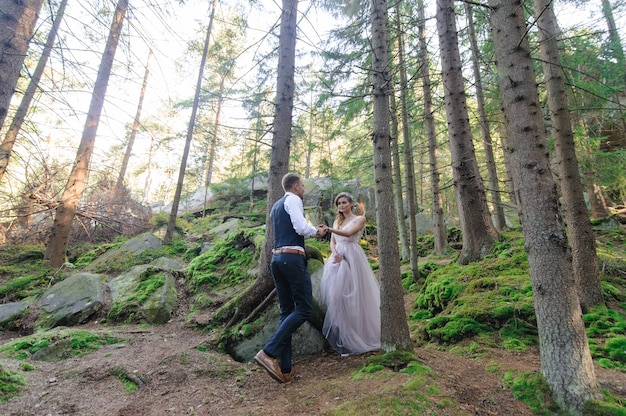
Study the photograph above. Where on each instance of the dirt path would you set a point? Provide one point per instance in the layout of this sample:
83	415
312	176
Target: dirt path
181	380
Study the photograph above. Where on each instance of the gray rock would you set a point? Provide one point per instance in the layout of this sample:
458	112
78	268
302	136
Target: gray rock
112	259
9	312
156	307
71	301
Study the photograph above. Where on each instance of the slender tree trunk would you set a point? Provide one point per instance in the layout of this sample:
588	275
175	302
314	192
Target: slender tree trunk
492	174
409	167
616	41
279	159
478	231
171	225
60	232
16	124
441	239
208	175
582	238
17	24
135	127
395	330
565	356
397	181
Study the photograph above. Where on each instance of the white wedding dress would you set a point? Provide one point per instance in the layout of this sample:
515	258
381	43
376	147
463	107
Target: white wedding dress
351	294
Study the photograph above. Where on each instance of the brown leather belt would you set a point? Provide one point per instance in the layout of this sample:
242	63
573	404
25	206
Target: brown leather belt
288	251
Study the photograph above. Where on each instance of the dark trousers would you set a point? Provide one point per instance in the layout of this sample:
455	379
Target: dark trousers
295	297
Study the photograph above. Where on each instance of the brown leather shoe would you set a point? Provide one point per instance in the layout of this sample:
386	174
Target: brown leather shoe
271	366
289	376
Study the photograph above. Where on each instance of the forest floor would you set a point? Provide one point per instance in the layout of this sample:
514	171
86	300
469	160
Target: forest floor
181	379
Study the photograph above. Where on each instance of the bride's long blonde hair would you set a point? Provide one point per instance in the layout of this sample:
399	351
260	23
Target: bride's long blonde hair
360	207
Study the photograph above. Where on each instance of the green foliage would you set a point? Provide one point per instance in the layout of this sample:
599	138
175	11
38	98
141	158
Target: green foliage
450	328
22	274
492	296
79	342
439	290
11	383
84	259
603	322
396	360
129	308
226	263
24	286
532	389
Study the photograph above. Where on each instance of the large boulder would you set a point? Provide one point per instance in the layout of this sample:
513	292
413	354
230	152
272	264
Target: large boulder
71	301
10	313
115	259
146	292
307	339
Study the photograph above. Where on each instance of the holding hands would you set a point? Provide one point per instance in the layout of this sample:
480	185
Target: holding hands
321	230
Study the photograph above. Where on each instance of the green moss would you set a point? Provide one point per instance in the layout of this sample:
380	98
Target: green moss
600	408
438	292
11	383
603	322
532	389
449	329
130	308
226	263
79	343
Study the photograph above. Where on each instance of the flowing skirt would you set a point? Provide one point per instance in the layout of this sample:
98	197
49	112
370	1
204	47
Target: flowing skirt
351	294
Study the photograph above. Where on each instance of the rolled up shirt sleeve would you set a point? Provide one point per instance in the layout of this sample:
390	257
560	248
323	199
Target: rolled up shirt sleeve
295	209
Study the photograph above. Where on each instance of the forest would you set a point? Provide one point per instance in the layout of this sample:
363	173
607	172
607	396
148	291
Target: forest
482	116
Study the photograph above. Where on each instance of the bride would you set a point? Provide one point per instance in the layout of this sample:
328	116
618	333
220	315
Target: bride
349	289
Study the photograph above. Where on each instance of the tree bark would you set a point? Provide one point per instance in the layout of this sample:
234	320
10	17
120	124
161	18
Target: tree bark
171	225
17	24
492	174
582	237
16	124
135	127
397	181
441	238
409	167
394	328
479	234
565	356
279	160
65	212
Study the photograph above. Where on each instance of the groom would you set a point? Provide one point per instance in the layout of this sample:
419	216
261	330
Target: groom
291	277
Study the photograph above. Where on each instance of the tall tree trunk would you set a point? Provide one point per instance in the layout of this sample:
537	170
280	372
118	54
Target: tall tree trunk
492	174
17	24
60	232
409	167
616	41
565	357
171	225
441	239
397	180
208	174
135	127
16	124
279	160
394	328
582	238
479	234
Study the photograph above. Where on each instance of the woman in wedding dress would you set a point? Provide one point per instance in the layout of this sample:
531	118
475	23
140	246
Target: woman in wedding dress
349	289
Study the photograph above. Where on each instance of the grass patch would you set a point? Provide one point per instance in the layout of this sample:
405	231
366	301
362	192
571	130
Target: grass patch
11	383
227	262
532	389
76	342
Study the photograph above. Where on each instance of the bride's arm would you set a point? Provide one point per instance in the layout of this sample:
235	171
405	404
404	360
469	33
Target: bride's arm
354	228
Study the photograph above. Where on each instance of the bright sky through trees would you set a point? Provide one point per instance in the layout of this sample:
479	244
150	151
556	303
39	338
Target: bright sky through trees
173	71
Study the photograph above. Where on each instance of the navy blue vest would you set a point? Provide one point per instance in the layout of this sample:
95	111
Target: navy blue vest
284	234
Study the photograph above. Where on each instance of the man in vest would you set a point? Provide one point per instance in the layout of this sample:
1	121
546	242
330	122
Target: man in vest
291	277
